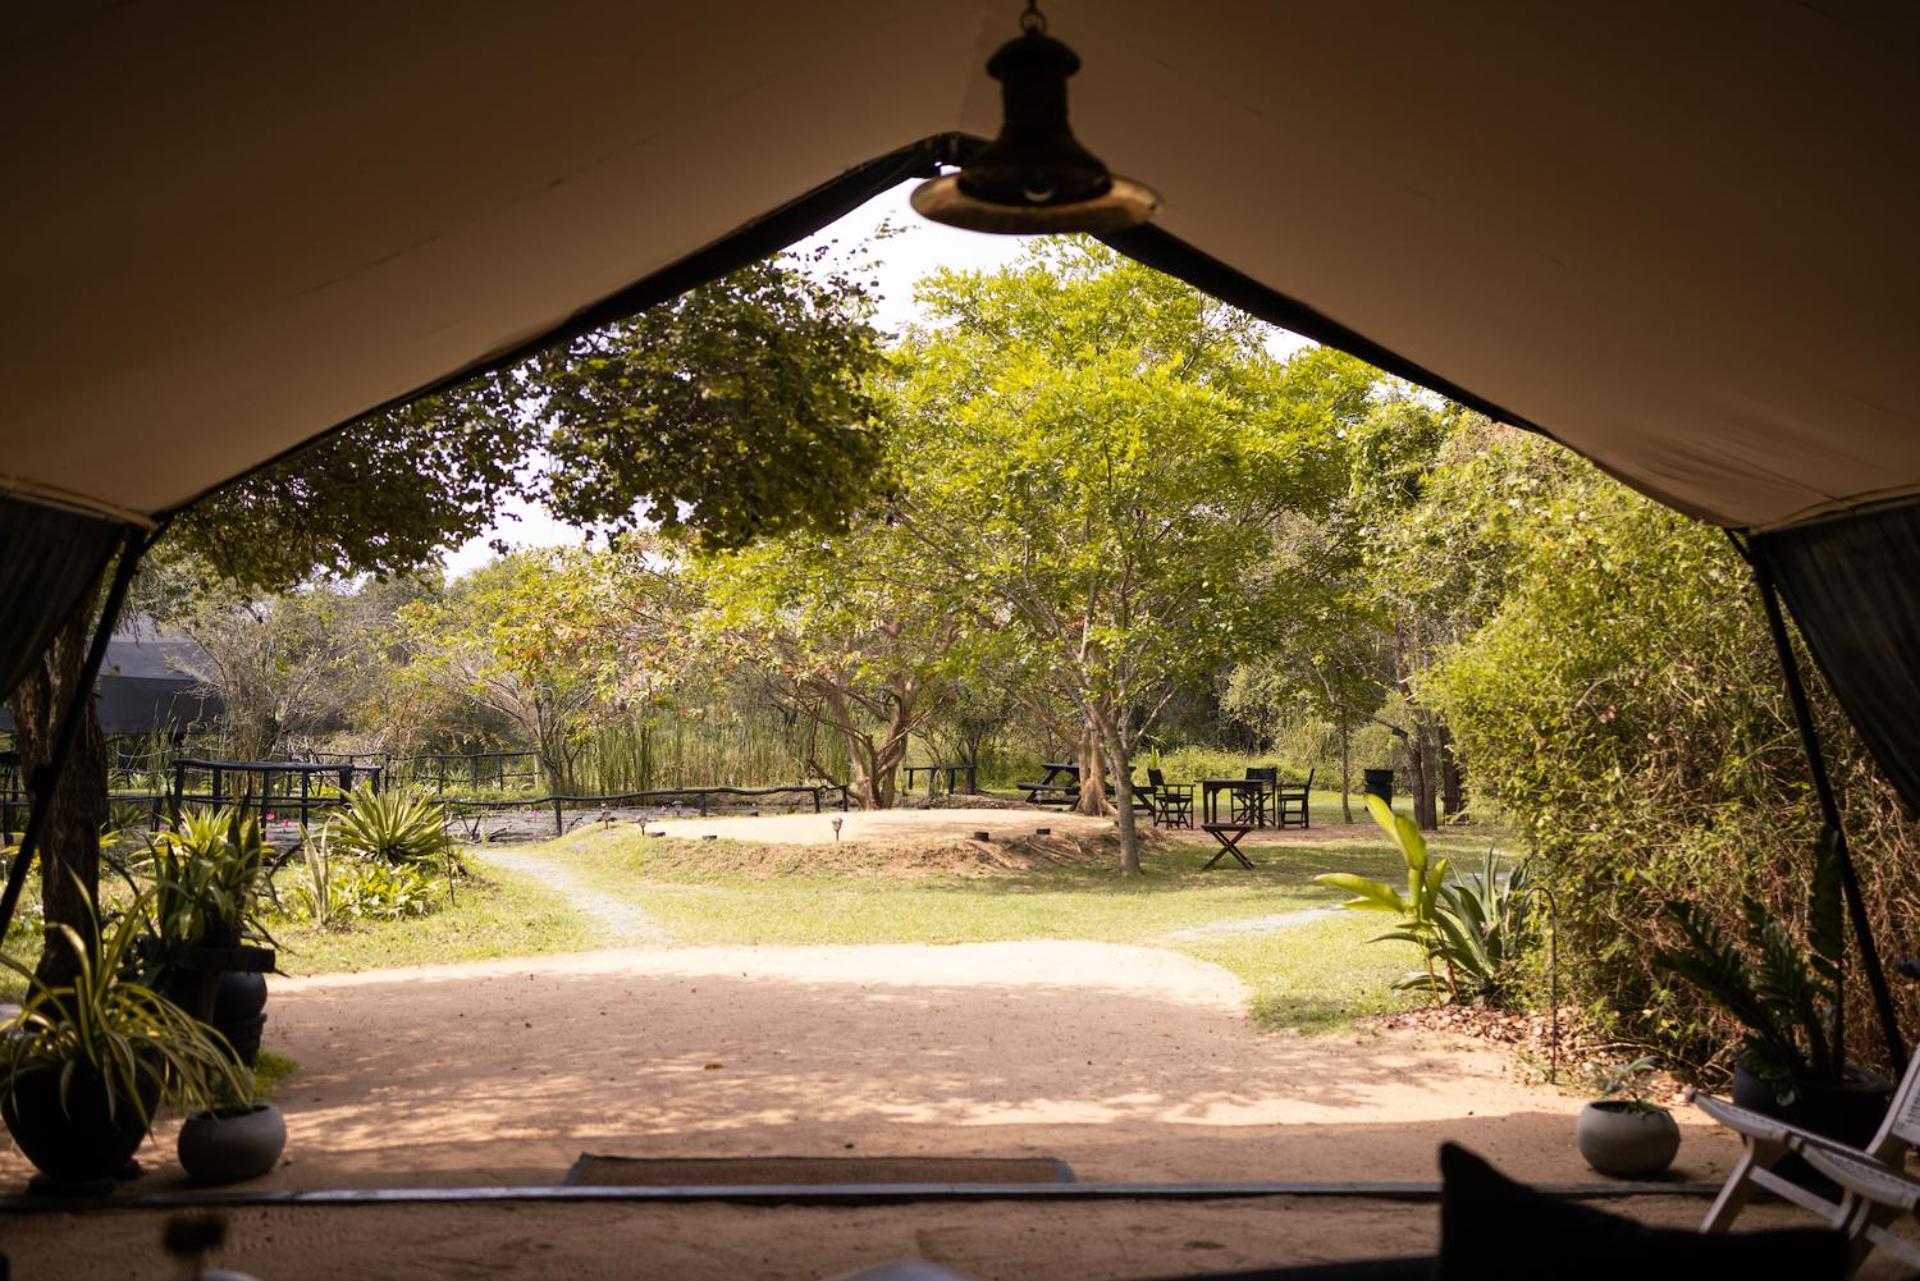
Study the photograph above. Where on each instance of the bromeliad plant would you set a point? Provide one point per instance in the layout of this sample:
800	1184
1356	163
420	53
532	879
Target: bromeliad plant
1417	907
1786	997
1469	930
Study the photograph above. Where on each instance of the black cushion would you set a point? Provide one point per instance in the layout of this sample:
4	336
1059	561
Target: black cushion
1492	1228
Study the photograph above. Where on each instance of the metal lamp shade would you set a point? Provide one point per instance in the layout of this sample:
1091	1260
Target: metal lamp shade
1035	178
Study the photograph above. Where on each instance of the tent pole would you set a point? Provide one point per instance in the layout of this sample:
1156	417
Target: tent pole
46	780
1829	807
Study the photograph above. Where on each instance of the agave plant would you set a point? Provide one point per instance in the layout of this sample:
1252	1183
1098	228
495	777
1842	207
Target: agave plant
1481	926
393	826
119	1032
1786	997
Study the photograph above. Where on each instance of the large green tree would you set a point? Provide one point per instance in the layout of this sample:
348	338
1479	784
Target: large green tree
1095	453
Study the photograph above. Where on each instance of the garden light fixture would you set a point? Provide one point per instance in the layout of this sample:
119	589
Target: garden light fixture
1035	178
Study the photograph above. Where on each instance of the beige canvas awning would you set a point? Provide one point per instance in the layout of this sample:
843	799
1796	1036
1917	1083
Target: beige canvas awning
1680	238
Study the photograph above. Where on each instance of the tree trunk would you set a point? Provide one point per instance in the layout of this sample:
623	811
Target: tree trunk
1424	769
70	842
1453	791
1346	773
1120	758
1093	774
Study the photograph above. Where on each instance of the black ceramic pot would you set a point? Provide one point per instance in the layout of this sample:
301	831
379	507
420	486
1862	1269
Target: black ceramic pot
238	1002
1848	1113
80	1141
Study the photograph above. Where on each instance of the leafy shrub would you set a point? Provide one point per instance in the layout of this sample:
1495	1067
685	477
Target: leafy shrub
1471	932
339	892
393	827
207	877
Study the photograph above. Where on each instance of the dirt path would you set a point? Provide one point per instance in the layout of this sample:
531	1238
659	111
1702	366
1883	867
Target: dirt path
1129	1063
622	923
1255	924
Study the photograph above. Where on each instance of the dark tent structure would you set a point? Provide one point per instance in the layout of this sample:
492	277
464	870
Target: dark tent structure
1677	238
144	688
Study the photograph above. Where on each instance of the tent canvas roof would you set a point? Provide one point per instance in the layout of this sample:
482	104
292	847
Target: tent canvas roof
1679	238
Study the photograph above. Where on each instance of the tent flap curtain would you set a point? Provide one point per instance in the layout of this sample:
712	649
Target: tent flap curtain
50	559
1853	586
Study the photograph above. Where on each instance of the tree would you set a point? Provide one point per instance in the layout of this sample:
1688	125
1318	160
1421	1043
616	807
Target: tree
278	665
844	631
532	636
736	411
1094	452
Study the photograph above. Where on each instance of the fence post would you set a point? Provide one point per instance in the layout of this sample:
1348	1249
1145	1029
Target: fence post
559	823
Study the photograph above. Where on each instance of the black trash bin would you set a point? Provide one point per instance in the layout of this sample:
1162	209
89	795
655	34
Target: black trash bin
1378	782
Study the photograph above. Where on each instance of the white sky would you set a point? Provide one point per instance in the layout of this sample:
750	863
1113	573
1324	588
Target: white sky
914	251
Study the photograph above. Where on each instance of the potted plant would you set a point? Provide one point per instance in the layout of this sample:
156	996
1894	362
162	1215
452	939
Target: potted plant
207	875
1624	1133
240	1137
83	1065
1792	1061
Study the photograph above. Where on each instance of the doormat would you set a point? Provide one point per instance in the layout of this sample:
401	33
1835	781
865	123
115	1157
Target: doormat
747	1171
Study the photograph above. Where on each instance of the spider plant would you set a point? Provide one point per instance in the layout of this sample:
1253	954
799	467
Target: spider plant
108	1030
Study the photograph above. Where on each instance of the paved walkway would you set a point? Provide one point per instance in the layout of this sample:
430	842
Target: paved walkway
623	924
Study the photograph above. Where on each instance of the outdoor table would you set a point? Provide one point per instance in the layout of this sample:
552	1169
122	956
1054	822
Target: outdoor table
1062	777
1210	789
1229	835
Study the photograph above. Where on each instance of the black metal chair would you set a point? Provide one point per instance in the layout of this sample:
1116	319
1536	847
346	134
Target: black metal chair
1250	803
1290	803
1172	802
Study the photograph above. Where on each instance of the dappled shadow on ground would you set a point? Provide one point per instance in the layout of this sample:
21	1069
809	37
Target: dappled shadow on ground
1129	1063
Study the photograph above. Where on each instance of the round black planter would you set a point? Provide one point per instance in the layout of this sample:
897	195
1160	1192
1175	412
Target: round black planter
1849	1113
237	1005
82	1142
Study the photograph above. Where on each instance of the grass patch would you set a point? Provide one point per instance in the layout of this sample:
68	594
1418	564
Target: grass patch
270	1071
497	914
1316	976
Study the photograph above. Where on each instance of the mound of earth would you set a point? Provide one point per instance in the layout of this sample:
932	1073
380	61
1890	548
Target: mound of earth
936	855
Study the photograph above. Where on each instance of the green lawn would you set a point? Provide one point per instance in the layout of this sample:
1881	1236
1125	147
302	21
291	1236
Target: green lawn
1313	975
1316	974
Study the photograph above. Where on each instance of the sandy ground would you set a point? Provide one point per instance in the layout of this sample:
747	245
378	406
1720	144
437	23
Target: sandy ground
1130	1063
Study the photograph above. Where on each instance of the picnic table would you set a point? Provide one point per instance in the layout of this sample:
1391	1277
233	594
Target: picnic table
1061	786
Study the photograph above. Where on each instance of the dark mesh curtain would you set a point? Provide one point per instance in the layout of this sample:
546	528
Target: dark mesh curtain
1853	585
49	558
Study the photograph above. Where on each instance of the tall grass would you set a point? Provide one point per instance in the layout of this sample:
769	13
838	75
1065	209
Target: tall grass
706	746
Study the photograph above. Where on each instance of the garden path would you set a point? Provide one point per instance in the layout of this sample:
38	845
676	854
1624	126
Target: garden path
1255	925
624	924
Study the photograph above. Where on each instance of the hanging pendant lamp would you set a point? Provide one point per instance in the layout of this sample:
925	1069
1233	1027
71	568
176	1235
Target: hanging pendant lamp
1035	178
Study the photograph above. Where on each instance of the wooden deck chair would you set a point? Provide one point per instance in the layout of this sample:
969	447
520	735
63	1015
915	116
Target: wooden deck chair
1765	1140
1876	1196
